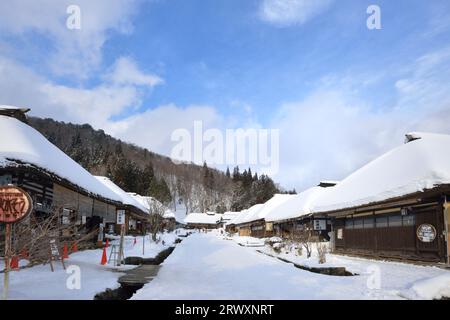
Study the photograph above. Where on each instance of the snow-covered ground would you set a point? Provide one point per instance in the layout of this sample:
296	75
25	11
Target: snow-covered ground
151	248
211	266
38	282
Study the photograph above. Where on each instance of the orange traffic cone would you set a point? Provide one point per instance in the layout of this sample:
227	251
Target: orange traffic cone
74	247
15	262
104	259
107	243
134	241
65	252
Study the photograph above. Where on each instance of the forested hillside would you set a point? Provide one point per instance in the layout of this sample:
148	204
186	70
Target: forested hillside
135	169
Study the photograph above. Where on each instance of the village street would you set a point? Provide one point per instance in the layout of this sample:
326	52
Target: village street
211	266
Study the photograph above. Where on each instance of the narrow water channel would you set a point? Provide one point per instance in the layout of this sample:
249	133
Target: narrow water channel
127	290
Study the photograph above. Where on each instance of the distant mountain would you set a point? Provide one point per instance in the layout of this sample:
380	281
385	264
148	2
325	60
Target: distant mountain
136	169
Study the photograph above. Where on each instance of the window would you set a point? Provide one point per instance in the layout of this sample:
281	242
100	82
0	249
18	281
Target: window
382	222
409	220
359	224
368	223
348	224
395	221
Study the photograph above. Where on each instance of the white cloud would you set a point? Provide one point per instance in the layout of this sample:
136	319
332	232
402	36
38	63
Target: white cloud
290	12
153	128
73	52
125	72
21	86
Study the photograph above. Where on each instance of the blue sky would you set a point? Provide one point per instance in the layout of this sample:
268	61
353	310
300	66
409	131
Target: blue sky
339	93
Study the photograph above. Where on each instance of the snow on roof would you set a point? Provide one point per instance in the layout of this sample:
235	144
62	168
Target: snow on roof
21	145
237	217
260	211
147	201
202	218
125	197
14	108
422	163
228	216
295	206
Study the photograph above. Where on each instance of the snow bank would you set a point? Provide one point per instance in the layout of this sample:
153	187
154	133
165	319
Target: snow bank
23	145
433	288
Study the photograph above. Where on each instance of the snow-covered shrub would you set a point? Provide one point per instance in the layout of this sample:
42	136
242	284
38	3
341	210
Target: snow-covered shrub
277	247
299	251
322	252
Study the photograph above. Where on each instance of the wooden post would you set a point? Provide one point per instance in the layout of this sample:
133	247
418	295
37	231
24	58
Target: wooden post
143	239
7	262
447	228
122	234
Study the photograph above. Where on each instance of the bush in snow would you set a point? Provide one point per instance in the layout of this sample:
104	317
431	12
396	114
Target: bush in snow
322	252
299	251
277	247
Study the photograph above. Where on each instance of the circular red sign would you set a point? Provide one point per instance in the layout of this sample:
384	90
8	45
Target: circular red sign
15	204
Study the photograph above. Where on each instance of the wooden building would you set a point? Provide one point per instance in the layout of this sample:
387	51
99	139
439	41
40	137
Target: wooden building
53	179
209	220
294	216
397	205
136	214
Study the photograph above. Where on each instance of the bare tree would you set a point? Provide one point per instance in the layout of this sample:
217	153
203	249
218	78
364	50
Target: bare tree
322	252
304	238
156	217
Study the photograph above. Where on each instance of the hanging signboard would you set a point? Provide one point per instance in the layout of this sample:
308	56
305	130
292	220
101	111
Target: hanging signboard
426	232
320	225
15	204
120	217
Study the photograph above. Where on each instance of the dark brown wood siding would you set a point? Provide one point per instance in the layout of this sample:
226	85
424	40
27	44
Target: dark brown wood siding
393	235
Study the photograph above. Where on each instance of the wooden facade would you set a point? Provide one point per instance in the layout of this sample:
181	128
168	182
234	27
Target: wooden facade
392	229
50	193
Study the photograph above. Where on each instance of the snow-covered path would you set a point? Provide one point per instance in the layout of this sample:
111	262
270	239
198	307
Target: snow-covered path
205	266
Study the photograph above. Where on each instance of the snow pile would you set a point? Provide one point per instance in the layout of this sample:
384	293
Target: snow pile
433	288
203	218
295	206
125	197
23	145
420	164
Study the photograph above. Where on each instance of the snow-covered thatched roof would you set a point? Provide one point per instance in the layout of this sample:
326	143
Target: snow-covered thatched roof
203	218
148	202
295	206
125	197
421	163
23	146
229	215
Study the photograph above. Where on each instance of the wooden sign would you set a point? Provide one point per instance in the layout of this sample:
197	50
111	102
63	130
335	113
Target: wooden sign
120	217
15	204
426	232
